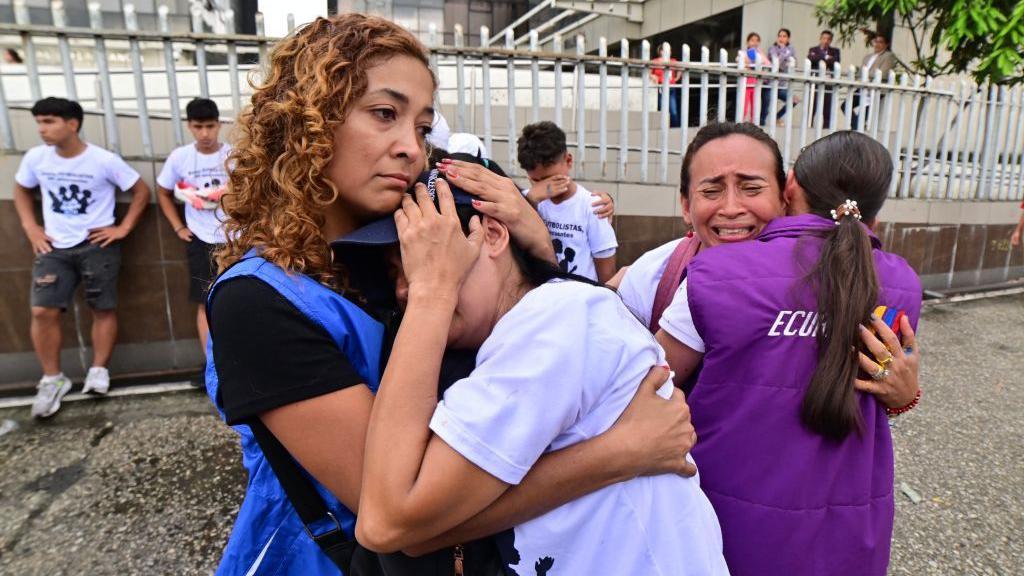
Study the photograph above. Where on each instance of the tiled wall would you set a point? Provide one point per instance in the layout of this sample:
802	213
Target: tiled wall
156	322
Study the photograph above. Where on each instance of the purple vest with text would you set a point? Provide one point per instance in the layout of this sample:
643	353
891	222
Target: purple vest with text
790	501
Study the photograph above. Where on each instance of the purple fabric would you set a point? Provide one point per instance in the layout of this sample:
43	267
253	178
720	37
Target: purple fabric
790	502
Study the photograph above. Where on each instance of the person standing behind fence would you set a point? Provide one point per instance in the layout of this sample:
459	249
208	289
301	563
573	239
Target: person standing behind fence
784	53
674	93
196	173
755	60
584	243
824	52
880	60
79	241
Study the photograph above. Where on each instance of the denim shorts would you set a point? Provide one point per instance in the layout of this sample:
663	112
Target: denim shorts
56	275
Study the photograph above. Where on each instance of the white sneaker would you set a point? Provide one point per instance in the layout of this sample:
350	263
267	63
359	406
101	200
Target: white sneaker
97	380
51	390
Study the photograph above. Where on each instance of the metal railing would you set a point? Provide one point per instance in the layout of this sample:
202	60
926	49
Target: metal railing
949	138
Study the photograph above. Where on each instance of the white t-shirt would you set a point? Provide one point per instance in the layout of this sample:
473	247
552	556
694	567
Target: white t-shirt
677	320
78	193
200	171
577	233
560	367
640	283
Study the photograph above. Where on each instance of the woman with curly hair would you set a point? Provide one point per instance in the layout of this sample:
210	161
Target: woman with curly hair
333	139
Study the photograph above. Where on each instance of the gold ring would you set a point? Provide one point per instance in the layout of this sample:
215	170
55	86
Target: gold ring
884	362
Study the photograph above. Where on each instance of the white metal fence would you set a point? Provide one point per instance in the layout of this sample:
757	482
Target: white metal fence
949	138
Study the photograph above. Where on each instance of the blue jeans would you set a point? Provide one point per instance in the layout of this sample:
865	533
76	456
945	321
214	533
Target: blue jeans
675	95
766	94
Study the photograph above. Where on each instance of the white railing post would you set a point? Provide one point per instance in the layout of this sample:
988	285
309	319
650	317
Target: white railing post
60	21
684	101
602	116
908	157
106	92
809	108
645	121
581	110
535	75
897	158
739	114
172	76
132	24
557	44
21	17
705	82
666	105
623	109
955	158
723	84
460	80
922	156
485	69
510	68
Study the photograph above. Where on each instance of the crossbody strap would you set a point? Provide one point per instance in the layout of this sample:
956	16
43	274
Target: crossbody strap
672	278
320	523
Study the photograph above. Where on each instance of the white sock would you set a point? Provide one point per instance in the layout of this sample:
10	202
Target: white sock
54	378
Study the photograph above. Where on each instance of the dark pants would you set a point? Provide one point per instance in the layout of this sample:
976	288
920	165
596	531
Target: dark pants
766	95
826	109
855	110
675	95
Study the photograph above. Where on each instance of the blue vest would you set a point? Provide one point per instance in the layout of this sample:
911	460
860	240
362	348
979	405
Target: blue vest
268	537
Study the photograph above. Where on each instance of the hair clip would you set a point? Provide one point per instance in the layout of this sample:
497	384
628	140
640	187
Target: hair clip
847	208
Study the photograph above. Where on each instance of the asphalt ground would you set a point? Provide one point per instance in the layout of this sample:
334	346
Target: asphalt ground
151	484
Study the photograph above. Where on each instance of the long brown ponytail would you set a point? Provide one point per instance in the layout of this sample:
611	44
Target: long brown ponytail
842	166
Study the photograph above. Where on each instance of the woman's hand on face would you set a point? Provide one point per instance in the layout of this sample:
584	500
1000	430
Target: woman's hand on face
900	386
656	433
500	198
436	255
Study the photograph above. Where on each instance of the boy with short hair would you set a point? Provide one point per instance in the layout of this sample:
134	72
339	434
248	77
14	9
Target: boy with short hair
197	175
78	242
584	243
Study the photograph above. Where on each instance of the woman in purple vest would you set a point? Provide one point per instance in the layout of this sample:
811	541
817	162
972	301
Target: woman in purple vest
795	457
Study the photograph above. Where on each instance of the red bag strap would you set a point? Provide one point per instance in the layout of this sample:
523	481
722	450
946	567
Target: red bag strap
674	273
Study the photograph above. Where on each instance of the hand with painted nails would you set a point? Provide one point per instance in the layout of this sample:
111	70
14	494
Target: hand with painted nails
893	364
500	198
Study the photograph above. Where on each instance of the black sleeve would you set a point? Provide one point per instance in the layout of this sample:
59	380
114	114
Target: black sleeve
268	354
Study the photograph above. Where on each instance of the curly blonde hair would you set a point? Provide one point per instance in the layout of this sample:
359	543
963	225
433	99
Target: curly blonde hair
285	139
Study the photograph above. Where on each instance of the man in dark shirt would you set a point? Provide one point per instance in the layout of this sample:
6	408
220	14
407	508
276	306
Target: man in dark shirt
824	52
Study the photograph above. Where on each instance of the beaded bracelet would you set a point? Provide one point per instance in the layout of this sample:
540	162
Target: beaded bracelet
907	408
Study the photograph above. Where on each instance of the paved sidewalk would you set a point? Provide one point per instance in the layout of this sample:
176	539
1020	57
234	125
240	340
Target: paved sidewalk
151	484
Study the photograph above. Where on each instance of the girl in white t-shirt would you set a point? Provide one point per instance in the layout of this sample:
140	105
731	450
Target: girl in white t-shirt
558	363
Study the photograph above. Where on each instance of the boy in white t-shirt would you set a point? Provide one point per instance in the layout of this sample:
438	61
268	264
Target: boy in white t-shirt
584	243
78	241
197	175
